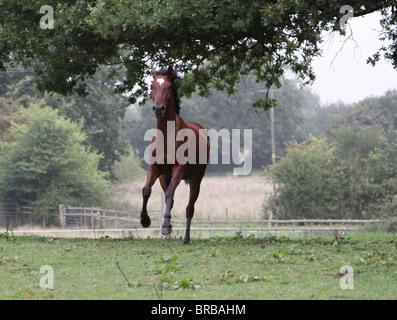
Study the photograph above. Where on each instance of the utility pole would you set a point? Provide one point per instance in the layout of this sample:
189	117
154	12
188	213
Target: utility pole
273	142
272	136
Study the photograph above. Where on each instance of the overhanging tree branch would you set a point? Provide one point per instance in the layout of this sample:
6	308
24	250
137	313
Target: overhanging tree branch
212	41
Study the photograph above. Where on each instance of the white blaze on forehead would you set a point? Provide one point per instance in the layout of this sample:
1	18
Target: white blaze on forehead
160	81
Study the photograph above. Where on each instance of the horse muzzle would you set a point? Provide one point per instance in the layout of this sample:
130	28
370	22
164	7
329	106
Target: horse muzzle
159	111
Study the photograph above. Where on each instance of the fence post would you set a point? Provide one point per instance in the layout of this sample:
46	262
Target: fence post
18	218
92	219
62	215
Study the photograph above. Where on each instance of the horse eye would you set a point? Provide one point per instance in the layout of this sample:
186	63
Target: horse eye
170	87
151	86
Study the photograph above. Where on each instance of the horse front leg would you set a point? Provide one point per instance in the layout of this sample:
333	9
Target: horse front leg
176	177
152	175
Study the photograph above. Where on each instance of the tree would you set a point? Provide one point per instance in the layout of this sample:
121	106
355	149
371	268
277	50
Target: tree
356	148
213	42
7	111
361	144
380	111
101	112
384	175
46	163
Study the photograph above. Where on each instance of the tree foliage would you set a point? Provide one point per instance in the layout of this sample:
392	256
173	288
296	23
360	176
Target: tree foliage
46	163
214	42
372	111
7	110
100	112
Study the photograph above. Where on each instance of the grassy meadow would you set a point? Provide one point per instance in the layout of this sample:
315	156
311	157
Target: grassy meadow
219	268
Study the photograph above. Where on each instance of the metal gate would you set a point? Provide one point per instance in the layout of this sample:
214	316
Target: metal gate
8	214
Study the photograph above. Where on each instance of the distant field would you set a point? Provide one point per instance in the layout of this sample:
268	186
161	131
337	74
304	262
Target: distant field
241	197
219	268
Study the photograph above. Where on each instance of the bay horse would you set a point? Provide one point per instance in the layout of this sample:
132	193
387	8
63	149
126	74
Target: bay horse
170	172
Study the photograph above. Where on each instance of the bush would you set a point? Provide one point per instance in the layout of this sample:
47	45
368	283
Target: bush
128	169
386	225
355	179
307	182
46	163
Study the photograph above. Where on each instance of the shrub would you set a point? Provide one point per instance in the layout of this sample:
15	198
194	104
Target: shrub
355	179
307	181
128	169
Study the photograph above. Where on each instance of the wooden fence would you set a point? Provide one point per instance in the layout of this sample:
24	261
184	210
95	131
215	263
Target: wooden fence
12	214
28	216
97	219
8	213
87	217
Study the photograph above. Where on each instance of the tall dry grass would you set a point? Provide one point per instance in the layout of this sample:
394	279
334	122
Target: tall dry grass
221	197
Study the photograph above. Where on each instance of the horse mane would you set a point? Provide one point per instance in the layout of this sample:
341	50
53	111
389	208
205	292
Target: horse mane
176	83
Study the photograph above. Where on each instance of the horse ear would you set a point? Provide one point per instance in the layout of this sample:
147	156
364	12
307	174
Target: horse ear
154	73
170	72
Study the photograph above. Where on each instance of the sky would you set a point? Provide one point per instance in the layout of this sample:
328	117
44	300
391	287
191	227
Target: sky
345	76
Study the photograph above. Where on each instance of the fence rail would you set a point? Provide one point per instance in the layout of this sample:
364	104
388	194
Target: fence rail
112	221
260	227
86	221
94	217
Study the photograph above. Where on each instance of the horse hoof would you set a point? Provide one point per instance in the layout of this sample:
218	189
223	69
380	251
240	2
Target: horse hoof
145	221
165	231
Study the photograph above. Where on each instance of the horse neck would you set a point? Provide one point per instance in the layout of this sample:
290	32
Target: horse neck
169	116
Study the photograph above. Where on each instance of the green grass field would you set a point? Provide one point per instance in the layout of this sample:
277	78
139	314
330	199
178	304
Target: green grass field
219	268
